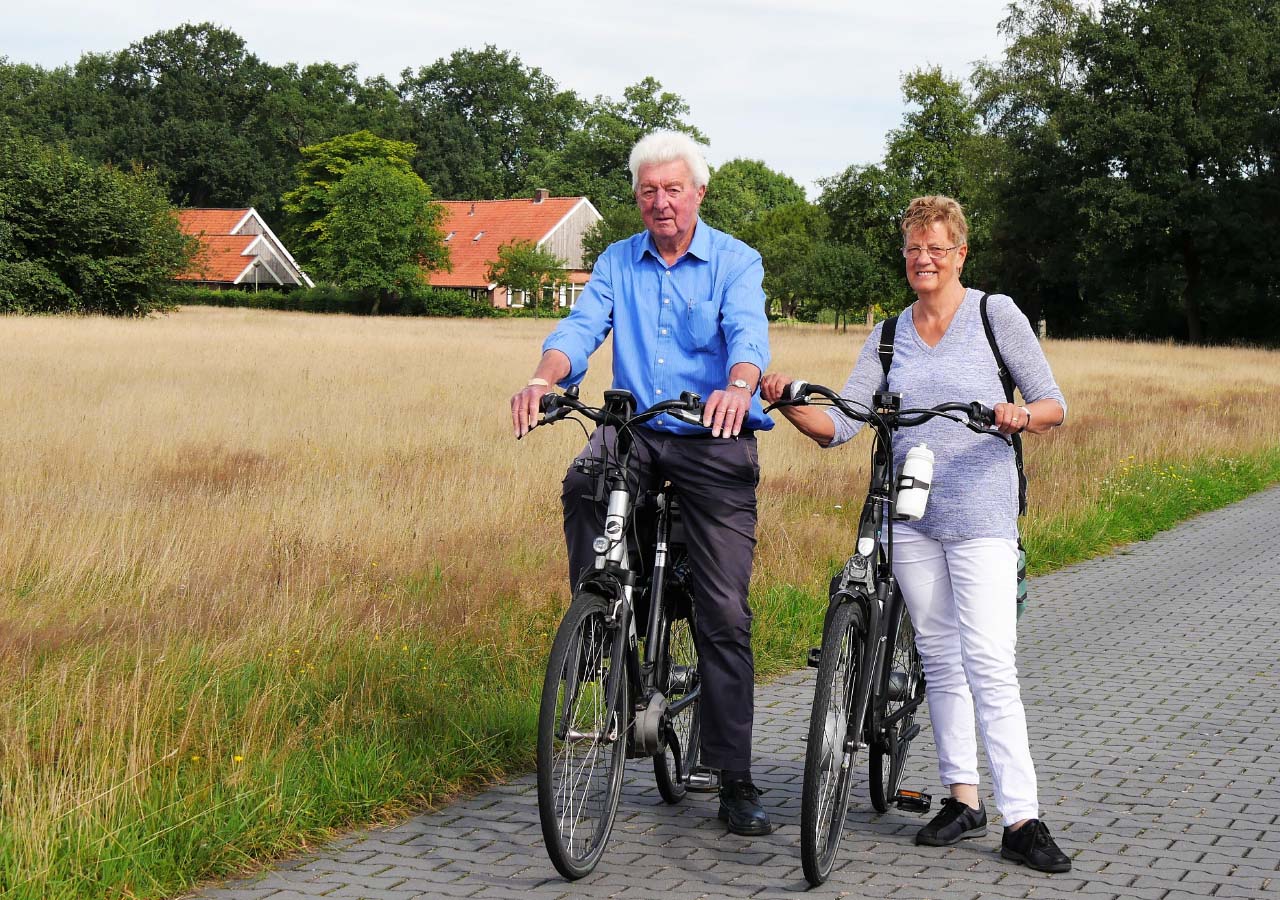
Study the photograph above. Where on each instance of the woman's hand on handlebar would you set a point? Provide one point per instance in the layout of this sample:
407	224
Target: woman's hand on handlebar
773	386
1010	418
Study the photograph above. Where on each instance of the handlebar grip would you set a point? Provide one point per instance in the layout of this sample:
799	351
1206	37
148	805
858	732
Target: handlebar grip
795	391
982	415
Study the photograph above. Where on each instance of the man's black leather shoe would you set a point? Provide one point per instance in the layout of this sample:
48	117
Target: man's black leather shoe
953	824
1032	846
740	807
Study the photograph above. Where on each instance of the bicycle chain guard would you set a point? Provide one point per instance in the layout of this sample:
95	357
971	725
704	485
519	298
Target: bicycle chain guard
648	727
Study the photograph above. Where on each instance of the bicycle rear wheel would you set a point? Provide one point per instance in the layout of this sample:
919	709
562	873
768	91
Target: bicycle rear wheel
828	760
681	680
582	736
901	693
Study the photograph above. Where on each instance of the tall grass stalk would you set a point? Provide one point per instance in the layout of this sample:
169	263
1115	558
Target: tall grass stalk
265	575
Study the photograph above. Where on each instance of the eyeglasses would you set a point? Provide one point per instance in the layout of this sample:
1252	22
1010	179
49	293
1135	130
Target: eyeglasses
934	252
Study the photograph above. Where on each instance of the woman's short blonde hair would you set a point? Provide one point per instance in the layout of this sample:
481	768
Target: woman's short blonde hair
924	211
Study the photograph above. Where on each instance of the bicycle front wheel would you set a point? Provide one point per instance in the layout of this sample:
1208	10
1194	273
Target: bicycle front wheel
683	742
582	736
832	746
902	691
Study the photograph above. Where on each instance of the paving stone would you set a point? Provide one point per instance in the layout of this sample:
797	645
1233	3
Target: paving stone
1152	703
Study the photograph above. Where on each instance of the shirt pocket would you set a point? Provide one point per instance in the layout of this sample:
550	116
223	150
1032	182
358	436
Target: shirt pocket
702	325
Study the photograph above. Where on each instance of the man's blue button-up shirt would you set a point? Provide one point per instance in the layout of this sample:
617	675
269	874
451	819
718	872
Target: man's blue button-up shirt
675	328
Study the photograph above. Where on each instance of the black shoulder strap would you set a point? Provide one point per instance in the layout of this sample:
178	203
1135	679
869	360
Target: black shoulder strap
887	333
1006	381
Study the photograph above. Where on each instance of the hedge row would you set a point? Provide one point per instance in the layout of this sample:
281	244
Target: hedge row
329	299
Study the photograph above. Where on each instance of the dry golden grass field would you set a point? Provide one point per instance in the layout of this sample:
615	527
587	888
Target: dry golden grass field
229	539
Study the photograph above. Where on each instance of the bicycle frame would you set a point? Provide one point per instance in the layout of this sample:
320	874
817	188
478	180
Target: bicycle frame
615	577
868	578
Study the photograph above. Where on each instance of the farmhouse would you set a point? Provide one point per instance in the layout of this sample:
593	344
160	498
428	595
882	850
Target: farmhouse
237	249
475	229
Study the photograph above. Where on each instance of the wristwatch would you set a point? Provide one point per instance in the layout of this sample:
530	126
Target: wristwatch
739	383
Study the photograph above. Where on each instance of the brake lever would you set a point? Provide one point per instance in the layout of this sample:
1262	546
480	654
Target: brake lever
691	413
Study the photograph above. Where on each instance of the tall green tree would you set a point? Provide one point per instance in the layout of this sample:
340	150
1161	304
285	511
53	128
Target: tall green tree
785	237
864	205
1035	219
1174	129
594	158
478	117
381	233
324	165
524	266
742	190
78	237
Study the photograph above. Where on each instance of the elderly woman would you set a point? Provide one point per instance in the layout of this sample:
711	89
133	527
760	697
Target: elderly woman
957	566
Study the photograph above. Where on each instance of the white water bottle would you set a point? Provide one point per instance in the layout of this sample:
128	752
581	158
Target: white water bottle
913	483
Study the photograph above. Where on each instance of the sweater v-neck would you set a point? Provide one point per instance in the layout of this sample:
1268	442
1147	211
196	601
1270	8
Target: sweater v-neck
934	348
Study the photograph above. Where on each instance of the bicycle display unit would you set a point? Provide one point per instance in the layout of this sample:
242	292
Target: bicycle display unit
605	700
870	681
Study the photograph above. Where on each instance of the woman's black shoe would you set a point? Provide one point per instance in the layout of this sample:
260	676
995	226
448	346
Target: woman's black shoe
957	821
1032	846
740	807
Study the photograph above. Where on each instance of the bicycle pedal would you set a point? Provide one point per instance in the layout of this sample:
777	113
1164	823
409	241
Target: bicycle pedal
703	780
913	801
815	656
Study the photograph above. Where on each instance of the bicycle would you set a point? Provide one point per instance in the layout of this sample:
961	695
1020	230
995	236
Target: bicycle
603	701
870	681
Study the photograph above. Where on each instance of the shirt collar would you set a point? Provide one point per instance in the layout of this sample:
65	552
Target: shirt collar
700	247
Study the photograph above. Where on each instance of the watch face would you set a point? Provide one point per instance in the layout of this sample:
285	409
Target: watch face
739	383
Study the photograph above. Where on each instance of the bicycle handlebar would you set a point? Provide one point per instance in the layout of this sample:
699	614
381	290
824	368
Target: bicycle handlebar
979	418
554	407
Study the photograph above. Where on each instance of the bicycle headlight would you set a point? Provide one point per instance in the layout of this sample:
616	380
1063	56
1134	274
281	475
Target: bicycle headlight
600	545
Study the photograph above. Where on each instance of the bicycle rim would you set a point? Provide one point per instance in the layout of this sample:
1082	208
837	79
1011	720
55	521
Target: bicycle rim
902	692
582	731
682	678
829	757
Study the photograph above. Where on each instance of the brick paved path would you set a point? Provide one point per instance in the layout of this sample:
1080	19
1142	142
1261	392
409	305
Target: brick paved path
1153	695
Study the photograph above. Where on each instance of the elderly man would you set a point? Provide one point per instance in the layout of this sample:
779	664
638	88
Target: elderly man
687	311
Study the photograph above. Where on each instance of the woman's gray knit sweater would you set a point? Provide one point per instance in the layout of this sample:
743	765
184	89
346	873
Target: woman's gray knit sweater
975	483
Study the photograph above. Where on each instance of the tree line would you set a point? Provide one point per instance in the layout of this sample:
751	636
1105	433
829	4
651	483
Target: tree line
1118	162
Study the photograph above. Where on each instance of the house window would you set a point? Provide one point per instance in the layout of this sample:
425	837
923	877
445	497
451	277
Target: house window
448	237
479	234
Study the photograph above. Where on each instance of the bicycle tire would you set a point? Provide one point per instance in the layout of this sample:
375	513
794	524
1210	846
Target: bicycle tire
680	679
888	757
584	698
828	764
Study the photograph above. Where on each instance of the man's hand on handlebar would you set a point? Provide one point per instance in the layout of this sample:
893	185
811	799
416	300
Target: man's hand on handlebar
524	408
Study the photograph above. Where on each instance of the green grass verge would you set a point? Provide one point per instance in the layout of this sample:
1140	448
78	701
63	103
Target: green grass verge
384	724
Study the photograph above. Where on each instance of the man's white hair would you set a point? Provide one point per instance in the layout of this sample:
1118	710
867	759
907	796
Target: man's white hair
669	146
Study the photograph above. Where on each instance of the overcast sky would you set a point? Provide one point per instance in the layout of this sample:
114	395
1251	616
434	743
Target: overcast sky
807	86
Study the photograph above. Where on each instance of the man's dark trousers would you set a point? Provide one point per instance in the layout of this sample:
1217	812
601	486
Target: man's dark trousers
716	480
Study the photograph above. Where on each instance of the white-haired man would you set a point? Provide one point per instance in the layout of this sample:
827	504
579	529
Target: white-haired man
687	312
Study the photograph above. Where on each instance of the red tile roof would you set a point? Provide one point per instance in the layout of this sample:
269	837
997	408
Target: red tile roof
501	222
221	257
210	221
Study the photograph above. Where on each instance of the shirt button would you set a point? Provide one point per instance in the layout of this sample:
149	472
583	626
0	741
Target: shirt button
663	331
661	360
666	300
658	391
